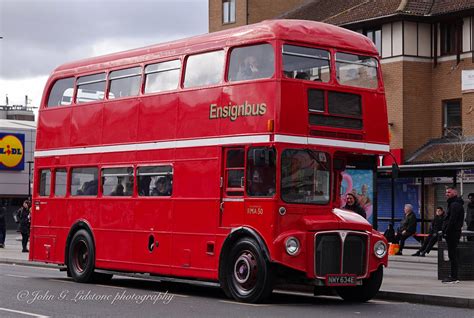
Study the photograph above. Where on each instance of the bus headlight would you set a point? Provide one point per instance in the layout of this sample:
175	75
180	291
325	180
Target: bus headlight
292	245
380	249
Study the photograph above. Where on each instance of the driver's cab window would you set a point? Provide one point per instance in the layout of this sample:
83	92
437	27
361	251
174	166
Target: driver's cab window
234	171
261	173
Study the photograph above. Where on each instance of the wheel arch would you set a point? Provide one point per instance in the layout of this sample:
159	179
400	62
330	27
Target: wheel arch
234	236
79	225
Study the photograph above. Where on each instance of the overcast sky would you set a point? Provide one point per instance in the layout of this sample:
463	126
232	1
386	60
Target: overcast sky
39	35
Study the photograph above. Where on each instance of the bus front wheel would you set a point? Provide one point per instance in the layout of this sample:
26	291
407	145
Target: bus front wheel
248	275
81	257
364	292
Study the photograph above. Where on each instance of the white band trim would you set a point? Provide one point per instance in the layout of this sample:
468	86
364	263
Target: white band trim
155	145
212	142
332	143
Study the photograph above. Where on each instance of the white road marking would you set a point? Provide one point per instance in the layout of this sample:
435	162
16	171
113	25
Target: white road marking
243	304
177	295
23	313
117	287
19	276
38	267
62	281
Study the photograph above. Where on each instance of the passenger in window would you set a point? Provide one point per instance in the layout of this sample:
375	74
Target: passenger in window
144	187
118	191
249	69
162	187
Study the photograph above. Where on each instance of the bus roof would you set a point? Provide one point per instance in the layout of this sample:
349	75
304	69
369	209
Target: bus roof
321	34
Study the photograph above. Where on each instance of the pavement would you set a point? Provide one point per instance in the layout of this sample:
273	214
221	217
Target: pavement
406	279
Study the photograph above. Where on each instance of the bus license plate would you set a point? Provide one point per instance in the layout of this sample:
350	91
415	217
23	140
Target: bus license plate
341	280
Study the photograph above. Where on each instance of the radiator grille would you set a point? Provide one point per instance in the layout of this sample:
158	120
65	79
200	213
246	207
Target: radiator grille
340	254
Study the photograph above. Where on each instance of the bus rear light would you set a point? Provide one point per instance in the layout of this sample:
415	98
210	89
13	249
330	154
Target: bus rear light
270	125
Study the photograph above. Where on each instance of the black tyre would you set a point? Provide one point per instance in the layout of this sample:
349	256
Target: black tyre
364	292
81	257
248	276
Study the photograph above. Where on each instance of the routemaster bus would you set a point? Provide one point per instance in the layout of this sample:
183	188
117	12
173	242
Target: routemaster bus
216	158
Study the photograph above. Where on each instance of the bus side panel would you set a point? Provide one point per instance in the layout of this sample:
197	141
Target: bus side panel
375	117
50	122
256	104
152	234
113	236
120	121
86	124
157	118
195	215
194	117
293	116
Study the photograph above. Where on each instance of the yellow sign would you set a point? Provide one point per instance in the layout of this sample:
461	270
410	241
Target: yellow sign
11	151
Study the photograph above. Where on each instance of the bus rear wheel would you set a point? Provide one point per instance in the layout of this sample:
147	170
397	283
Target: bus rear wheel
248	275
81	257
364	292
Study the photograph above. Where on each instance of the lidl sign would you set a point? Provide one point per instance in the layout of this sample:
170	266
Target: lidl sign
12	151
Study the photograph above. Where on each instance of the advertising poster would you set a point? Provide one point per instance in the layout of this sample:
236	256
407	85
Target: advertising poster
360	183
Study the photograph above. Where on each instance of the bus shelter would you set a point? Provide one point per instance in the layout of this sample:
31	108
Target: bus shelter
419	172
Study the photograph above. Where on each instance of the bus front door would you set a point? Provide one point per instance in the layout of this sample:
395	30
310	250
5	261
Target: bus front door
232	193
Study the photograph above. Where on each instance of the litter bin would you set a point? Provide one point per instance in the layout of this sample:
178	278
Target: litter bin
465	256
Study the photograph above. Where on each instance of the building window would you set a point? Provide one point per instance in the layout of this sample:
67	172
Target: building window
449	38
228	11
452	125
375	35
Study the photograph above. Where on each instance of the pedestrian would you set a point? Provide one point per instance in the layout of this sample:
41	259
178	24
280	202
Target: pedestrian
3	229
24	219
407	227
352	204
430	241
470	215
452	230
390	234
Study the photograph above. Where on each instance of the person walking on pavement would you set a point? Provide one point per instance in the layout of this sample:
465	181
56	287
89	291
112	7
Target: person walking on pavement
24	220
470	215
452	230
407	227
430	241
3	229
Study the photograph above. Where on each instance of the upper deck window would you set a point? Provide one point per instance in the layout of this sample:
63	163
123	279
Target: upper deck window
61	93
90	88
356	70
125	82
204	69
162	76
306	63
251	62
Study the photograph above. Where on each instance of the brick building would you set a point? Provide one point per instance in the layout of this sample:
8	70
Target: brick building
426	49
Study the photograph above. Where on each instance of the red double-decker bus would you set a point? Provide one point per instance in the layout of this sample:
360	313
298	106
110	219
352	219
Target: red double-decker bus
215	158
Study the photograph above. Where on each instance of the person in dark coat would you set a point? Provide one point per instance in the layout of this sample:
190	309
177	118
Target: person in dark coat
452	230
390	234
3	229
407	227
430	241
24	219
352	204
470	215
